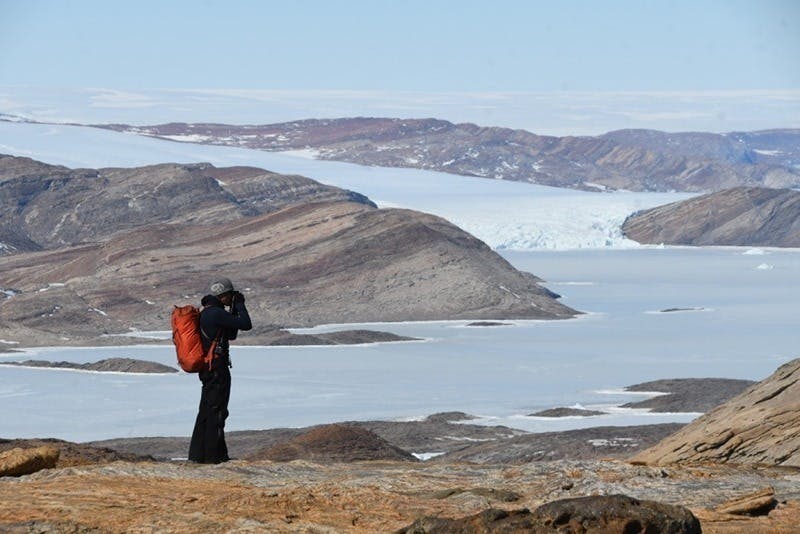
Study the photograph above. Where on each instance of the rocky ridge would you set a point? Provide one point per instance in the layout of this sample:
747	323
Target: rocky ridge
759	426
639	160
88	261
742	216
109	365
688	394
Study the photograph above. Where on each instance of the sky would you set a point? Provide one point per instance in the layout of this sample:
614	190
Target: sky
349	49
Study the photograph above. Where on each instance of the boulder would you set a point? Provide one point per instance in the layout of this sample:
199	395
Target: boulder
335	443
606	514
18	462
615	513
760	502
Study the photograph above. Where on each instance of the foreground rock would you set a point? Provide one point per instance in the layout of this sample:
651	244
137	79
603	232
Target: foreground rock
72	454
759	426
743	216
688	394
109	365
303	254
613	513
363	497
334	443
17	462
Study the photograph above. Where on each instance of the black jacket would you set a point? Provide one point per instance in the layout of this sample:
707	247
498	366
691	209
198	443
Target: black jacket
216	320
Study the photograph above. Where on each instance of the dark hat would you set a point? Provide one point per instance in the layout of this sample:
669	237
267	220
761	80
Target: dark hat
221	285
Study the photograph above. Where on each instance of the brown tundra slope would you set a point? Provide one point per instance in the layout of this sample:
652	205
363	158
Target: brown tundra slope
102	251
745	216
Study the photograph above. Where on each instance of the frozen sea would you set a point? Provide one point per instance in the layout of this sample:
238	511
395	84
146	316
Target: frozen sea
740	319
744	325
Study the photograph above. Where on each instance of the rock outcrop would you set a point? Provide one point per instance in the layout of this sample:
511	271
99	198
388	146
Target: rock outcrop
72	454
109	365
759	426
688	394
640	160
335	443
612	513
303	253
743	216
17	462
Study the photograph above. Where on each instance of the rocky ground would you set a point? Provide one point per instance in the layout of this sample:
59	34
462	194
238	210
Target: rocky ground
301	496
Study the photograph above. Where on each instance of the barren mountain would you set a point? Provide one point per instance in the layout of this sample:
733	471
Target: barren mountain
639	160
759	426
748	216
105	256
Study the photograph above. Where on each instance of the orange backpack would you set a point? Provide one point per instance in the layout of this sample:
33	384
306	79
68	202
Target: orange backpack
188	340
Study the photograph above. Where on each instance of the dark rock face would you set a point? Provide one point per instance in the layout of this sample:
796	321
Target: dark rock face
335	443
613	513
688	394
308	254
744	216
640	160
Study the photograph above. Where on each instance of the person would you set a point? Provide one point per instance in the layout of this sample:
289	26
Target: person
208	438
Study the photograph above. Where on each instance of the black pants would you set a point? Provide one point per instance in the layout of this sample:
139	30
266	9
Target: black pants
208	439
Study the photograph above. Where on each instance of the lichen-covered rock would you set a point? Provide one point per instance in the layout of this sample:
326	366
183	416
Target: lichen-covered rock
18	462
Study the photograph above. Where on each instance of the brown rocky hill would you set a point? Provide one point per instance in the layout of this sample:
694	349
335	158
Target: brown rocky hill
747	216
759	426
317	257
639	160
45	206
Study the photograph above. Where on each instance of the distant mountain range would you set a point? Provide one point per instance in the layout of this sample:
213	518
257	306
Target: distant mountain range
636	160
98	251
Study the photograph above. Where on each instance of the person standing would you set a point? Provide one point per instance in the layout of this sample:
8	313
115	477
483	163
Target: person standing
217	323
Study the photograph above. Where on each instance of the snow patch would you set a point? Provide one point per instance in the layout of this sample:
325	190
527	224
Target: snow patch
425	456
765	267
768	152
754	252
51	285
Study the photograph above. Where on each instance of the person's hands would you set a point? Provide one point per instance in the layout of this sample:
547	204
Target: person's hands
238	297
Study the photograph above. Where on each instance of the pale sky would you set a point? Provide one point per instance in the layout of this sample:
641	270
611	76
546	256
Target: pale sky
411	45
381	49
